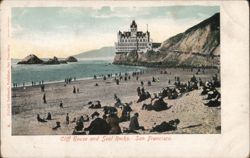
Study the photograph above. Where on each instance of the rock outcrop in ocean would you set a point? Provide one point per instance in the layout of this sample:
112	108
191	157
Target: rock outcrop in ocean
198	46
31	59
71	59
52	61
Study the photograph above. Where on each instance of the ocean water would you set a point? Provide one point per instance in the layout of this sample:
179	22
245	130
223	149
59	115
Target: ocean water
83	69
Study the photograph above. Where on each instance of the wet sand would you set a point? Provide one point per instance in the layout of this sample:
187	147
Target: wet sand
189	108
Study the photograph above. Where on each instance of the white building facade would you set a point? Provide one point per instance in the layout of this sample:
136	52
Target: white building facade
133	40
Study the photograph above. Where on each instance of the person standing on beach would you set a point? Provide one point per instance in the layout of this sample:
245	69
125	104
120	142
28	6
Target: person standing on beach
149	83
67	118
118	101
138	91
49	116
61	104
42	88
142	83
74	89
142	90
153	79
44	99
117	82
200	82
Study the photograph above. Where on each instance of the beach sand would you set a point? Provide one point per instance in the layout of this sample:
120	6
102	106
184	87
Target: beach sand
189	109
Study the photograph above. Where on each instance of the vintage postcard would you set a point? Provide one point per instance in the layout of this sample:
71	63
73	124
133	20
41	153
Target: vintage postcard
93	74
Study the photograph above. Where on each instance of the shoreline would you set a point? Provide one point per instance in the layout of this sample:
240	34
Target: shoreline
62	81
162	66
144	68
29	83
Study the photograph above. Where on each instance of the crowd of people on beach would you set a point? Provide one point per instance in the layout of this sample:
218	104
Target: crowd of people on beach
67	80
213	95
112	116
108	124
33	83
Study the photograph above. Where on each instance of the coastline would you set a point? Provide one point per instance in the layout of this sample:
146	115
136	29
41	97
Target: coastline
62	81
82	70
160	65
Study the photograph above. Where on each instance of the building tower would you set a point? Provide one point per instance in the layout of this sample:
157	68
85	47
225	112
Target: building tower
133	29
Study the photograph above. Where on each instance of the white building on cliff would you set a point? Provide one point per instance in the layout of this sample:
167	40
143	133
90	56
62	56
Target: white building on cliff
133	40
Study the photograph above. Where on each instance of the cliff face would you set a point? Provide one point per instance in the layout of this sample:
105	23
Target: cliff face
197	46
202	38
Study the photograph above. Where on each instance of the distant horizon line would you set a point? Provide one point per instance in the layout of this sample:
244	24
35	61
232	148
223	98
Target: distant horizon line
86	58
67	56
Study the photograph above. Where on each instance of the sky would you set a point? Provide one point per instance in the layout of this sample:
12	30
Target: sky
65	31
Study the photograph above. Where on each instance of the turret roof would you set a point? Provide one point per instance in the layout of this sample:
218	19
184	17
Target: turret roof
133	24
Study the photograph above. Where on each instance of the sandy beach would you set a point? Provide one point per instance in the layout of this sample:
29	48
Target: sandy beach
189	108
